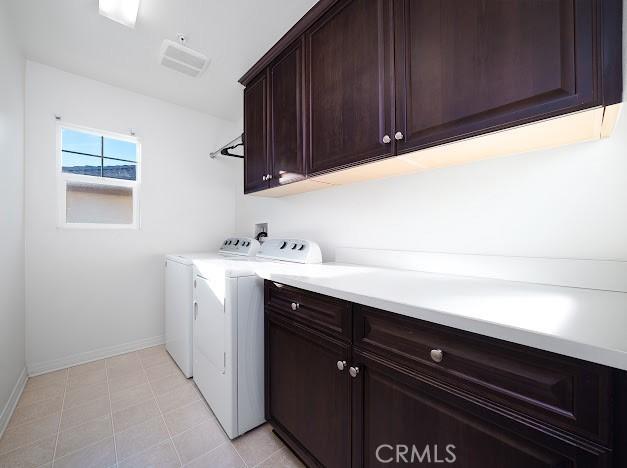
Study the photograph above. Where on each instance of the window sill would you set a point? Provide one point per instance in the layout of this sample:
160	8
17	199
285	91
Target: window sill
95	227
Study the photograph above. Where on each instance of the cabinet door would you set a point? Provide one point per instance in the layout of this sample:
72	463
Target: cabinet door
286	111
470	67
399	417
307	396
350	90
256	134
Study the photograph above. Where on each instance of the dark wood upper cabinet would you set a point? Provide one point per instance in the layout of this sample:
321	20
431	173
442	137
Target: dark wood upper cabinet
256	134
286	116
356	81
349	84
470	67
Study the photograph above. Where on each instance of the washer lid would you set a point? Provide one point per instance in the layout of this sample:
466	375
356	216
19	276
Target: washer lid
230	266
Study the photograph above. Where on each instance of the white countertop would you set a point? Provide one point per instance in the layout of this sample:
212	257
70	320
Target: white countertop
581	323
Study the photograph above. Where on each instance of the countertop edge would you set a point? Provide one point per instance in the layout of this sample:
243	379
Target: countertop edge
579	350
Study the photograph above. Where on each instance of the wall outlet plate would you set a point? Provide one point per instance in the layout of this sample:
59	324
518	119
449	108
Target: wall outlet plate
260	227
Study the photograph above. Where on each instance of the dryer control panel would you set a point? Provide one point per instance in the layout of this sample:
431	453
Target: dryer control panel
291	250
244	246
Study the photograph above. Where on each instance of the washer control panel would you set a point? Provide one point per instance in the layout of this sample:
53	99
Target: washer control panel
245	246
291	250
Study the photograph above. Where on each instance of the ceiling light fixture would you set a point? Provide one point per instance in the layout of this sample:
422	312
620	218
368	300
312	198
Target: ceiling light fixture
120	11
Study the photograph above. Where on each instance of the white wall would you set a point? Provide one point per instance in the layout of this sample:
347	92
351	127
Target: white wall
101	289
568	203
11	215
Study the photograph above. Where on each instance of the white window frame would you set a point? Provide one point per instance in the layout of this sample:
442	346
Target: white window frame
63	178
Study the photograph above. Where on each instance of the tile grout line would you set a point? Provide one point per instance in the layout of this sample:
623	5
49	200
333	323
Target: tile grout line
56	443
178	455
115	445
207	453
152	395
269	456
91	444
32	442
186	430
66	387
238	454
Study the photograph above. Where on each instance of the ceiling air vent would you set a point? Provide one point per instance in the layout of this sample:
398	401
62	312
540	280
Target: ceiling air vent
182	58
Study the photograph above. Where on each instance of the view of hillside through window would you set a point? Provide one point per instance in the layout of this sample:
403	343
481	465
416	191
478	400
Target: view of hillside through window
100	156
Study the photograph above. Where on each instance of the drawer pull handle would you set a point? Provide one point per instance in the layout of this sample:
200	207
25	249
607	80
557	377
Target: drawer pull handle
341	365
437	355
295	306
353	371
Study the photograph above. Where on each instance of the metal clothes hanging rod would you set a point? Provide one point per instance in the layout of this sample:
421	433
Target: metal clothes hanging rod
224	150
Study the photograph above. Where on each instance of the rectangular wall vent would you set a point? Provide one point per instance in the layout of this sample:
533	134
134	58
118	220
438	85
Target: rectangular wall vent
182	59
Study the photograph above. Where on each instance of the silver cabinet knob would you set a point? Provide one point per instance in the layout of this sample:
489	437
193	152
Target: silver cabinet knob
398	136
386	139
353	371
264	178
295	305
341	365
269	176
437	355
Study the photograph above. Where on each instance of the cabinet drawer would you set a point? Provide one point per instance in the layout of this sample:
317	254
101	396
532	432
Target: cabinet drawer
564	392
323	313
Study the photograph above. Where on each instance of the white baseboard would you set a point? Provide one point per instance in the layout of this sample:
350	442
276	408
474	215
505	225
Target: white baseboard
609	275
37	368
8	409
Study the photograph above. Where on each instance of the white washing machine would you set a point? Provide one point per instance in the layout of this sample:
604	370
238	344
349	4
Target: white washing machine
179	275
229	331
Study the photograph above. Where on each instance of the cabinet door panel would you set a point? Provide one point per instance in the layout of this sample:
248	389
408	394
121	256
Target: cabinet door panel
286	134
393	407
470	67
557	390
307	395
349	67
256	134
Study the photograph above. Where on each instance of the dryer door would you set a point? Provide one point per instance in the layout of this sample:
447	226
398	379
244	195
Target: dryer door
209	315
213	342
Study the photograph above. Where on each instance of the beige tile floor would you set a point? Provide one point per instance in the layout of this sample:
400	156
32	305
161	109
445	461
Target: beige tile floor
133	410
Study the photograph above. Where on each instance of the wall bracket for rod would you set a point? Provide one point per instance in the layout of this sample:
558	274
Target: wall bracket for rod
225	150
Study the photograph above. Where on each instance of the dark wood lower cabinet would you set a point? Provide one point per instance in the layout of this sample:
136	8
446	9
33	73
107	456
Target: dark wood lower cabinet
308	397
402	418
391	406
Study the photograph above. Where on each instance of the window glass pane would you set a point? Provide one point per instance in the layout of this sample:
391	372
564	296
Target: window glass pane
81	164
119	169
120	149
98	204
80	142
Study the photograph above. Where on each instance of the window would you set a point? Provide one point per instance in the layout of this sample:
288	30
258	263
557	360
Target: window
99	175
